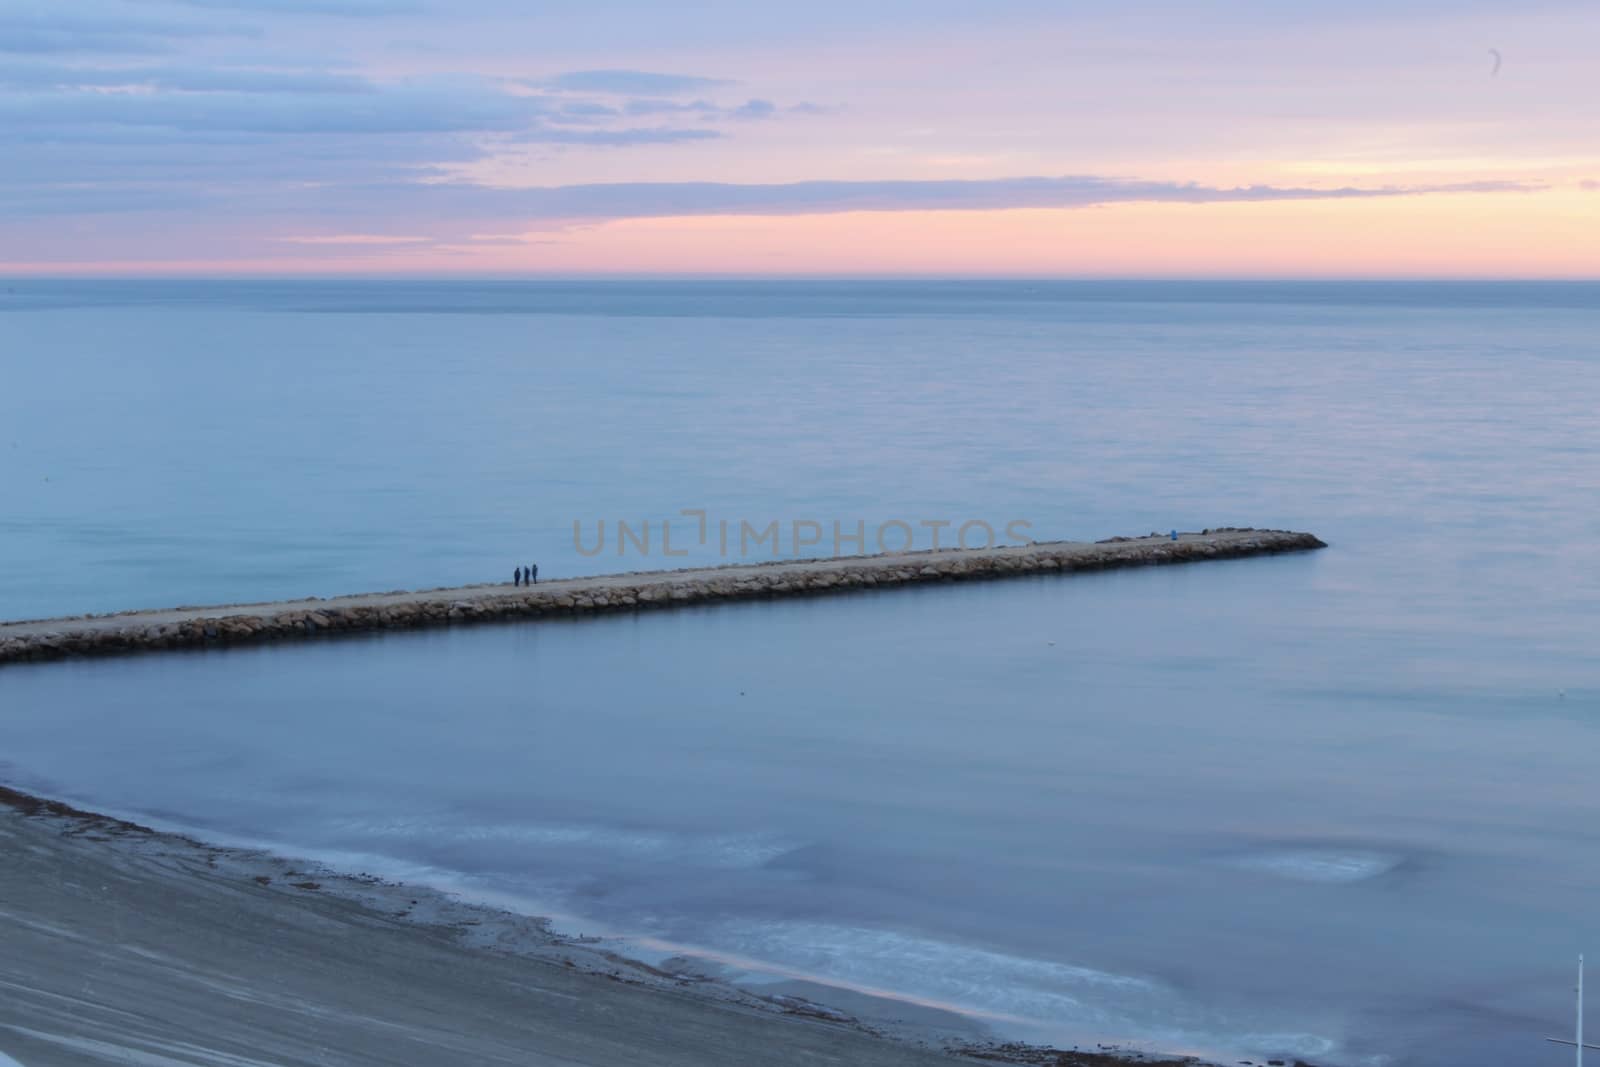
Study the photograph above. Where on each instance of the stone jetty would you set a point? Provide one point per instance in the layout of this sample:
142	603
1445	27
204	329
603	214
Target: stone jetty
244	624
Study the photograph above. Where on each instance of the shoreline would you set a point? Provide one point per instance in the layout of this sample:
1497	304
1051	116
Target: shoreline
125	941
242	624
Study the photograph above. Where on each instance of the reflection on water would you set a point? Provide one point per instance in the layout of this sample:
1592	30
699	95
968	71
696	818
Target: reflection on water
1135	805
1337	806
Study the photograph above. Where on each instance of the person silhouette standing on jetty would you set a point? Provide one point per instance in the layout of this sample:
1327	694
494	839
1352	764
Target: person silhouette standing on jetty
516	576
533	573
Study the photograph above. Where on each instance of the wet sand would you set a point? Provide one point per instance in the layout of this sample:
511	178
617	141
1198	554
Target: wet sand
119	945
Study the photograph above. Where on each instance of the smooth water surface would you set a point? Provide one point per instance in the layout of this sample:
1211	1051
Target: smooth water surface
1339	805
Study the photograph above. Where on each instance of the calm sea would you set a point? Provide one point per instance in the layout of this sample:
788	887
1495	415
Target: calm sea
1343	806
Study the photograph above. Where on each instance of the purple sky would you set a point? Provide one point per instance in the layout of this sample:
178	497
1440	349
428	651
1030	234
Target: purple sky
491	135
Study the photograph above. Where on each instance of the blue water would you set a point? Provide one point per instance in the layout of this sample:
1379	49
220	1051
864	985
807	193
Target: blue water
1338	805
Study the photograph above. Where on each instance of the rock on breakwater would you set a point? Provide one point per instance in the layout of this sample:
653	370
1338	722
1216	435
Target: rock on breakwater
240	624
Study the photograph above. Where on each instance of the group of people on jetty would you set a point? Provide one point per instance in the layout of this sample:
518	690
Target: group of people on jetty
528	575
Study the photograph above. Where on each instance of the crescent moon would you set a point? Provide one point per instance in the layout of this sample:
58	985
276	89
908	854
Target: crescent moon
1495	52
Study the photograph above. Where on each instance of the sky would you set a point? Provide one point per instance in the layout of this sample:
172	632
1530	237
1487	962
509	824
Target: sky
1052	138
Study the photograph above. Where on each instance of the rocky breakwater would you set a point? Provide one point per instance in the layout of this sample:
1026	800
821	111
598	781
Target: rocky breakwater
208	627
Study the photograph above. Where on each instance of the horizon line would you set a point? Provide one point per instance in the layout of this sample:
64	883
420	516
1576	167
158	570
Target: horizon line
794	276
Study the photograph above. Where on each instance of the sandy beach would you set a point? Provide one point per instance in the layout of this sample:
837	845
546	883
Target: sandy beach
125	945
